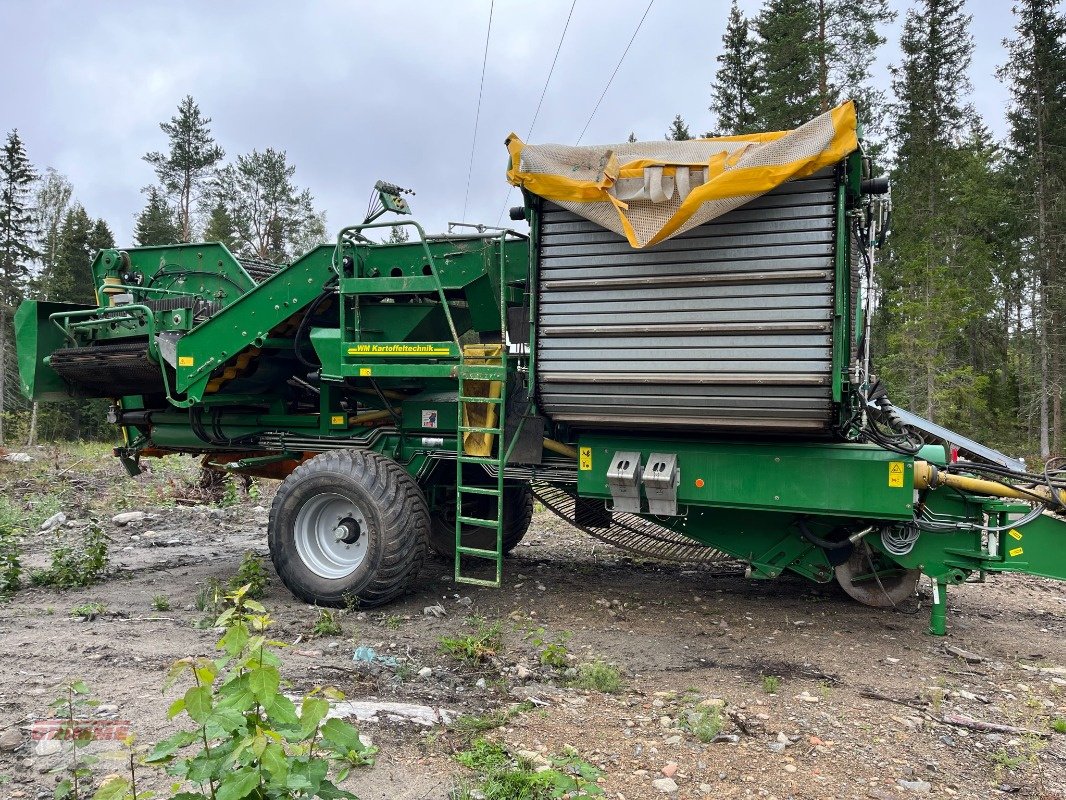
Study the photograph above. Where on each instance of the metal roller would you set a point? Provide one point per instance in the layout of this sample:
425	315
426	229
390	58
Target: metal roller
727	326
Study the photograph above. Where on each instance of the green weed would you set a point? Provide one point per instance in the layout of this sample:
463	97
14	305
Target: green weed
247	738
75	563
552	652
599	676
327	624
251	574
704	723
161	602
505	777
1058	725
88	611
475	648
770	684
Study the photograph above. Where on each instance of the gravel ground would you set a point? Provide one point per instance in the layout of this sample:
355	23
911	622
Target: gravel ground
818	697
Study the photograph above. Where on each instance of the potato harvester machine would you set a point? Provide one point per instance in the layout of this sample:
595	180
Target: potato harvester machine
675	358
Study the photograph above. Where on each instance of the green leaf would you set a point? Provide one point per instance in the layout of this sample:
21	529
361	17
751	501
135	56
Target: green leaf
63	789
198	703
264	684
234	640
79	687
275	761
166	748
237	785
312	710
281	711
327	791
176	669
176	708
226	720
342	735
114	787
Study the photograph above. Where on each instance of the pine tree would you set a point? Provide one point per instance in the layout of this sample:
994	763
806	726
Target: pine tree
100	237
17	234
787	56
735	83
272	218
70	280
930	283
155	224
1036	74
397	235
632	137
192	158
678	131
220	227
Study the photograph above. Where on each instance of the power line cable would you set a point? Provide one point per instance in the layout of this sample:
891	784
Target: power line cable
616	68
477	115
540	102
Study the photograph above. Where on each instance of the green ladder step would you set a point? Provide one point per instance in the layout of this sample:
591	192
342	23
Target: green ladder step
479	521
485	400
477	552
487	460
476	429
477	490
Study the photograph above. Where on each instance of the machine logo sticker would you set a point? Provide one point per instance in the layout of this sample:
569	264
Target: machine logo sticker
186	361
895	474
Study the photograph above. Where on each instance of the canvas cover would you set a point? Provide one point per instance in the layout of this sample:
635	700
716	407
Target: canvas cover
651	191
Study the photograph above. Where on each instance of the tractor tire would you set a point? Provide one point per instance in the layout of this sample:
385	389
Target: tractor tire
517	514
348	526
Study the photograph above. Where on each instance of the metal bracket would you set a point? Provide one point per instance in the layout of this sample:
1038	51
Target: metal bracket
623	479
661	477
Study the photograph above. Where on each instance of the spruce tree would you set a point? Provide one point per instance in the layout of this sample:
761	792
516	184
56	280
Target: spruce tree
929	283
51	201
17	234
1036	76
100	237
678	131
220	227
735	83
70	280
787	56
155	224
189	163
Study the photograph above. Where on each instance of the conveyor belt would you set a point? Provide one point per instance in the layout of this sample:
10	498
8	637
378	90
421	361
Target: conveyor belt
727	326
113	370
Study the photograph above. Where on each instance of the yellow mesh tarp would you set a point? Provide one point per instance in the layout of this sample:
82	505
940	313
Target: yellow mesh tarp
650	191
480	415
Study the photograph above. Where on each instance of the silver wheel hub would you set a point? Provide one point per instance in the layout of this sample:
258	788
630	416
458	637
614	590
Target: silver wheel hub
332	535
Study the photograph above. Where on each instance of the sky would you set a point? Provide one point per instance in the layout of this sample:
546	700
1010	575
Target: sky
361	91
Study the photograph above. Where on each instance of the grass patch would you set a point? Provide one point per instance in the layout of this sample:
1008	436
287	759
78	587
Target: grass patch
484	643
161	602
705	723
599	676
502	776
770	684
327	624
1058	725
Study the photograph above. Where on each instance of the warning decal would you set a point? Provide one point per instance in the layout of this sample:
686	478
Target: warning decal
1017	551
895	474
186	361
584	462
1014	534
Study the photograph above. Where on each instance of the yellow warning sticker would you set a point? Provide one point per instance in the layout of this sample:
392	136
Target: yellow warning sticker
337	419
584	461
1015	534
895	474
365	372
1017	551
186	361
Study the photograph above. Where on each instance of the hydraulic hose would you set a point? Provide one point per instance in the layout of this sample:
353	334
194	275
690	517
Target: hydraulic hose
825	544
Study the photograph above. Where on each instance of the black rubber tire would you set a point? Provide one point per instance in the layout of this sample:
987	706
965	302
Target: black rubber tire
396	514
517	514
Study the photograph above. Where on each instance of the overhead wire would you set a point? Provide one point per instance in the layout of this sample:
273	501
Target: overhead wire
477	115
616	68
543	92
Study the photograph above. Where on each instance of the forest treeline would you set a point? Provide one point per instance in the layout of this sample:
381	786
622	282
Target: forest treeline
970	290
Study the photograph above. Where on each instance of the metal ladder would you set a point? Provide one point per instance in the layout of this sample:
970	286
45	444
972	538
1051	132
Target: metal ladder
463	462
489	371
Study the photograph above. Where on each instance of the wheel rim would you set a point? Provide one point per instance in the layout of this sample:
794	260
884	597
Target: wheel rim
332	535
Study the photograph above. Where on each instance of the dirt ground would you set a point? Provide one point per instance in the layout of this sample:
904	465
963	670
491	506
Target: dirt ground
684	639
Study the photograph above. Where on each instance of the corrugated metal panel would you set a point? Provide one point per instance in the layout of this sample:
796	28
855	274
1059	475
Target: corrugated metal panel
727	326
